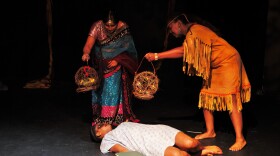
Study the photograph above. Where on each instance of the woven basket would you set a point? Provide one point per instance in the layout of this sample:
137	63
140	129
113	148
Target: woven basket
145	84
87	79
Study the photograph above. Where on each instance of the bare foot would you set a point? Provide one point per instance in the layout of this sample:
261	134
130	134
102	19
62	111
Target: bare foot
211	150
238	145
206	135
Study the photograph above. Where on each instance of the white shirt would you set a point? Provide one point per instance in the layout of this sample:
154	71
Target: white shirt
150	140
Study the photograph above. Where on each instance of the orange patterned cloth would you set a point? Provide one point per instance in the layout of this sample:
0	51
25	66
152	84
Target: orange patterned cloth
219	64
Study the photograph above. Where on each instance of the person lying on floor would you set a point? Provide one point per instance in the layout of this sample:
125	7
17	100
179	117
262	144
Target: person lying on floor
149	140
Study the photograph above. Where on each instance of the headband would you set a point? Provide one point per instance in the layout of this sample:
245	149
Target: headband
177	17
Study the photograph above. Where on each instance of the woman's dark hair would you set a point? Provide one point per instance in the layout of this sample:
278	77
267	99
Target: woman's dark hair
93	135
199	20
188	19
175	17
110	15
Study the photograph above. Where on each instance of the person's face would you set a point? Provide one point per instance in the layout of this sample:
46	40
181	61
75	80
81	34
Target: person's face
111	27
175	29
102	129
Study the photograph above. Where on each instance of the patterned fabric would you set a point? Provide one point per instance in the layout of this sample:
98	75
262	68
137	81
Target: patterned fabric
220	66
149	140
111	103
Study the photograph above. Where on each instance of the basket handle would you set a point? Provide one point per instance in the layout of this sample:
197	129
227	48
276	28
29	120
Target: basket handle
141	64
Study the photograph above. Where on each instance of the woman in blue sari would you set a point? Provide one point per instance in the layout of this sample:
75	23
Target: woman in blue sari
115	58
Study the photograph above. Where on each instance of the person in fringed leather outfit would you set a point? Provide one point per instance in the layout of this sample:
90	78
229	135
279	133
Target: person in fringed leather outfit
114	56
225	82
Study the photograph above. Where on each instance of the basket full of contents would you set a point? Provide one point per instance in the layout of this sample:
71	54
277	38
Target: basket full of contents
145	84
86	79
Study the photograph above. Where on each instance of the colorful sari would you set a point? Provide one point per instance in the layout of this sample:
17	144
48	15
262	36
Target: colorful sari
111	103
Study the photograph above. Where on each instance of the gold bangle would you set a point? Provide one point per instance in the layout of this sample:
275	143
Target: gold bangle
156	56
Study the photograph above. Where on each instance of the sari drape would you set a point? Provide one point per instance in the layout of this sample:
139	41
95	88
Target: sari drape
111	103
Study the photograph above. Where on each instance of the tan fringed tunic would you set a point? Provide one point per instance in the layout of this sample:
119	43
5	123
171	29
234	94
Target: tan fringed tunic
219	64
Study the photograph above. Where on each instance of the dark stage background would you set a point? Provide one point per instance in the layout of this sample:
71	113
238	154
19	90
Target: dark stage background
25	36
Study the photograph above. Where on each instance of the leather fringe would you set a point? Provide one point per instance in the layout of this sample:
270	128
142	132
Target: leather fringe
197	55
218	102
246	93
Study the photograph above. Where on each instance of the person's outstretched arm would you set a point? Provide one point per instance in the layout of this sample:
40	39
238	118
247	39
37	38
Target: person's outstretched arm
87	48
172	53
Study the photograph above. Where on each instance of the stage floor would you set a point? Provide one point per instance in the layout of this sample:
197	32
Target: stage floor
55	122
